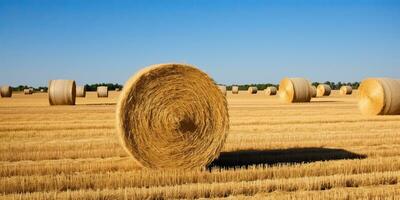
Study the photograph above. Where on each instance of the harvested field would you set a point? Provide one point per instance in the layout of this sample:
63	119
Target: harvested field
323	149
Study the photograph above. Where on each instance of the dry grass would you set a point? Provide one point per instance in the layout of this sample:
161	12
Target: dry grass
323	149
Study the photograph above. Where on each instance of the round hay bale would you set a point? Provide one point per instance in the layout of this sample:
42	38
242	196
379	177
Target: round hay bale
41	90
80	91
117	89
252	90
62	92
294	90
346	90
323	90
102	92
235	89
6	91
28	91
270	91
172	116
223	89
379	96
313	91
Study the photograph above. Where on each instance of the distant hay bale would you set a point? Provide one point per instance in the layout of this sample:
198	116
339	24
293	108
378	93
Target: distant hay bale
235	89
172	116
62	92
294	90
6	91
270	91
41	90
313	91
102	91
323	90
28	91
252	90
80	91
223	89
117	89
379	96
346	90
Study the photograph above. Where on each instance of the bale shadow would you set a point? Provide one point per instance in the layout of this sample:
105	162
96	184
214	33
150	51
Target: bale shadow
246	158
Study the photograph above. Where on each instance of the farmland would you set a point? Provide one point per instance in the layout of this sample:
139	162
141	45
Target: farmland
322	149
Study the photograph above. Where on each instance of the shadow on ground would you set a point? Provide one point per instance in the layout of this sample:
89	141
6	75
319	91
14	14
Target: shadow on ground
246	158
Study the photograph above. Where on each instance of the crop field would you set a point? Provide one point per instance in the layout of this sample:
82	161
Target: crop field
320	150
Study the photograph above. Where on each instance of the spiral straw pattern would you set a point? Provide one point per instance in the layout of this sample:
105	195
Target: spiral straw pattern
379	96
270	91
252	90
346	90
323	90
294	90
172	116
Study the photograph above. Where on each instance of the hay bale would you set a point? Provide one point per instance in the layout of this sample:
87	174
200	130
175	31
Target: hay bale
6	91
252	90
172	116
346	90
223	89
323	90
313	91
80	91
28	91
62	92
379	96
117	89
41	90
102	92
235	89
294	90
270	91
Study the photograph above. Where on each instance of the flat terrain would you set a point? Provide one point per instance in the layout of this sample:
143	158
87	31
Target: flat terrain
319	150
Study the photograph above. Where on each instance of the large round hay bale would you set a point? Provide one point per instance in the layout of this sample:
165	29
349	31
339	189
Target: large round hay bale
235	89
346	90
252	90
80	91
172	116
223	89
323	90
313	91
28	91
379	96
6	91
294	90
102	91
62	92
270	90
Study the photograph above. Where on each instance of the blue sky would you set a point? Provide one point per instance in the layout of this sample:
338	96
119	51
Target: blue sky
249	41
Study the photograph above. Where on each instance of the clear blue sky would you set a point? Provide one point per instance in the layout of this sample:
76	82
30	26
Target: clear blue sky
234	41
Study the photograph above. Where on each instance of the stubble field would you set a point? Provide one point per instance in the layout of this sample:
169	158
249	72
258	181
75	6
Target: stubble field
323	149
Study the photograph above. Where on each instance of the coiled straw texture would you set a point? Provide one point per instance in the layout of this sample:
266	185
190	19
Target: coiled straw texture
235	90
346	90
294	90
252	90
102	92
80	91
6	91
270	91
379	96
62	92
172	116
323	90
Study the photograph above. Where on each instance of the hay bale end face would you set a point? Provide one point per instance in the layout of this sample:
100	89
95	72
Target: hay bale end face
270	91
164	125
379	96
235	89
62	92
6	91
80	91
252	90
346	90
323	90
102	92
293	90
223	89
